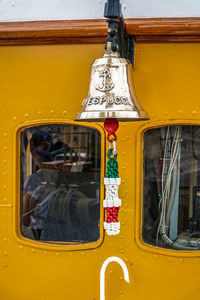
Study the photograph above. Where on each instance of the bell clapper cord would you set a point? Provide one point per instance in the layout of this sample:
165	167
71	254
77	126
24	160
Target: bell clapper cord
112	181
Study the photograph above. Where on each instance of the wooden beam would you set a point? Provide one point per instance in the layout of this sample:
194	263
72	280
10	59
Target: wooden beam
164	26
94	31
167	38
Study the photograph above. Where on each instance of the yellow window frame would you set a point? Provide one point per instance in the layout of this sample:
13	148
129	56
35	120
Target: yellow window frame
139	189
63	246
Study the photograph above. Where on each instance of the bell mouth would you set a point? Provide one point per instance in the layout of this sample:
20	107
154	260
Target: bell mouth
99	116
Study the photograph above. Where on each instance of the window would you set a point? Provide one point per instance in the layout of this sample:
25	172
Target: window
60	183
171	187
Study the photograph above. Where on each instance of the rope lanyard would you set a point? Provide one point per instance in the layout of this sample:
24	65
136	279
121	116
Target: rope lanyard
112	181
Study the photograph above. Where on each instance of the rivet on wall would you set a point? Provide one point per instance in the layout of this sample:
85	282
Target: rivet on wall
143	254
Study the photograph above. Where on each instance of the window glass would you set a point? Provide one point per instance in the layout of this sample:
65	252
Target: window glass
171	187
60	183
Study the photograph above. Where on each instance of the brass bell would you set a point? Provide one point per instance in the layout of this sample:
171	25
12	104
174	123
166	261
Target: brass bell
111	92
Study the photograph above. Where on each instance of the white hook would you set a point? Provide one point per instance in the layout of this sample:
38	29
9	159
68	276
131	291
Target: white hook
103	269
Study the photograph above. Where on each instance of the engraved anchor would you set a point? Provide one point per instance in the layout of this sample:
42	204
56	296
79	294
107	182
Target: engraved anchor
107	83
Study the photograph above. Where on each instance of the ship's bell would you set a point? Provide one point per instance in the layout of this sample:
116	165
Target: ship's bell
111	92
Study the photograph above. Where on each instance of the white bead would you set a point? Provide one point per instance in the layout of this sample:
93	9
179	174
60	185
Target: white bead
112	181
112	228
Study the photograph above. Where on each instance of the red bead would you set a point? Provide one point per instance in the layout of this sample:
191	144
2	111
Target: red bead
111	126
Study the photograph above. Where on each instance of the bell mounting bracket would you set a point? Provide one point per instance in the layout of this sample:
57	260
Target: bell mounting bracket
120	41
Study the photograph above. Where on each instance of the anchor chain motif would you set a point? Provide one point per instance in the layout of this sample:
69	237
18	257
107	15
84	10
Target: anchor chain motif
107	83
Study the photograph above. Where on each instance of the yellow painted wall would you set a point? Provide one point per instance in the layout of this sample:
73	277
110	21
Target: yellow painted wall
41	83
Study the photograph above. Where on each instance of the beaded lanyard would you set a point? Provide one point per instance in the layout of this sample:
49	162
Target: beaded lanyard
112	181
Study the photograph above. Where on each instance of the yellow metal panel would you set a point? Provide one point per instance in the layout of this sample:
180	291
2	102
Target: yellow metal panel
49	83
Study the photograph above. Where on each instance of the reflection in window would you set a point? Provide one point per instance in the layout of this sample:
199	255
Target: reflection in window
60	183
171	187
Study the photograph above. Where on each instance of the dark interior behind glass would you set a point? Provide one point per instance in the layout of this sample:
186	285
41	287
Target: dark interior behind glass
60	183
171	187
